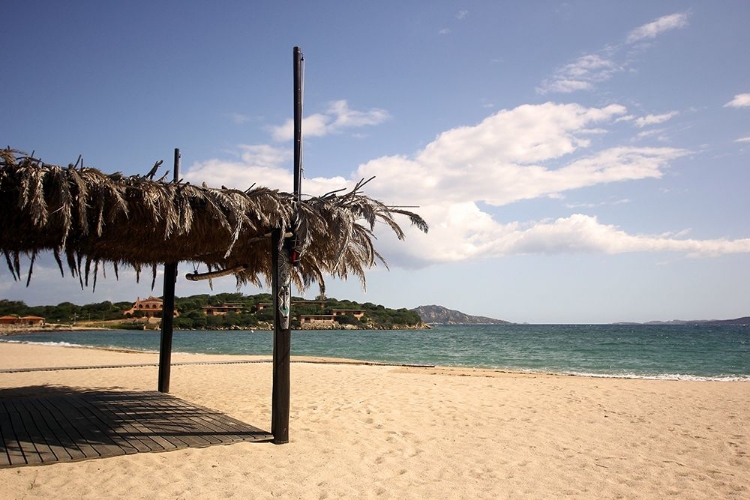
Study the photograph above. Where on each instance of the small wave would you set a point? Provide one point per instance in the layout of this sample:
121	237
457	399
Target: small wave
80	346
664	376
58	344
632	376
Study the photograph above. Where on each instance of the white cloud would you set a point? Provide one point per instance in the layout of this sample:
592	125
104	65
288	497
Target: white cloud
262	164
656	28
591	69
655	119
444	31
563	86
465	232
524	153
580	75
739	101
462	14
600	204
336	118
500	160
588	65
742	139
657	132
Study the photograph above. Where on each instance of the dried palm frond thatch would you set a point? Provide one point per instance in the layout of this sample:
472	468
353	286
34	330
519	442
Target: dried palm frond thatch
90	219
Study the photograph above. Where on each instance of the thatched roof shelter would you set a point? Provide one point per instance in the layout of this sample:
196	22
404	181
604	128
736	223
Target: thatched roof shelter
87	219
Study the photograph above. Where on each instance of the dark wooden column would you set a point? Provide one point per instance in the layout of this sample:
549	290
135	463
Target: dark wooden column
284	256
167	312
282	341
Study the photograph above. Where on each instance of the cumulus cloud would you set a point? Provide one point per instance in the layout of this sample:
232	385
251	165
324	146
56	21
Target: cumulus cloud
466	232
742	139
644	121
739	101
461	14
502	159
528	152
657	27
337	117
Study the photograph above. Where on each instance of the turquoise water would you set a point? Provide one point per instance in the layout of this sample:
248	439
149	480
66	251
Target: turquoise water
639	351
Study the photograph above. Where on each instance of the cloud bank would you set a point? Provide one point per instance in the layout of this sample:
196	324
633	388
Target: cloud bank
524	153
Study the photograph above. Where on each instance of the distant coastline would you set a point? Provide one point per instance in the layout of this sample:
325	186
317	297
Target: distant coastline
745	320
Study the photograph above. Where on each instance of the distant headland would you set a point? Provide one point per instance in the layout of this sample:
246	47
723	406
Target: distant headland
441	315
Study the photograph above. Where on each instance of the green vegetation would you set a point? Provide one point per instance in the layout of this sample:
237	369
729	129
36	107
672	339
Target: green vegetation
66	312
248	311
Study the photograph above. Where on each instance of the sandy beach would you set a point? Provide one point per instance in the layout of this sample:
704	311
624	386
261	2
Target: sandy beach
360	431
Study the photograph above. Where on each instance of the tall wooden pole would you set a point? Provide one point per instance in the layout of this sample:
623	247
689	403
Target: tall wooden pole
167	312
298	82
282	342
283	257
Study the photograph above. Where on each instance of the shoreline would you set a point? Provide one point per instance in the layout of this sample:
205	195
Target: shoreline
458	370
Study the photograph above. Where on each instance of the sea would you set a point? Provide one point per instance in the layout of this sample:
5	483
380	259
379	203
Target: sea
673	352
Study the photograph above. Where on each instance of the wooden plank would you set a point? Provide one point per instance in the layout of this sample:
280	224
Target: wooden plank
71	425
176	424
229	429
26	446
149	417
59	431
197	418
104	423
53	441
13	454
90	428
131	408
36	436
131	430
222	433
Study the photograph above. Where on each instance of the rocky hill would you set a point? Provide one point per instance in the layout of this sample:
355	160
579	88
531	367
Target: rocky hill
441	315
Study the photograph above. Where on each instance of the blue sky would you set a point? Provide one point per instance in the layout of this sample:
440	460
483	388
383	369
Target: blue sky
576	161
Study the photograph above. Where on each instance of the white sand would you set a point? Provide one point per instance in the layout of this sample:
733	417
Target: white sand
383	432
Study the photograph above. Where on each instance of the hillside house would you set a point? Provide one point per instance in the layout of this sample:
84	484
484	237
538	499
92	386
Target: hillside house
222	309
150	307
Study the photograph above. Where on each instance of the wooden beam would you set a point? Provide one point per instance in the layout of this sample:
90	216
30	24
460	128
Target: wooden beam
167	311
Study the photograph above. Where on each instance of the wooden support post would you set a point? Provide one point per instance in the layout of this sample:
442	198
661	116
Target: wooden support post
282	340
284	253
167	312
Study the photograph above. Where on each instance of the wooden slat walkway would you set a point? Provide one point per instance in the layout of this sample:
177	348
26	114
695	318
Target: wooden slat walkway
67	425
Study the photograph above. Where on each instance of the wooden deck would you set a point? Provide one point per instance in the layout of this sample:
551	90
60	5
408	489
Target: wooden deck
64	425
